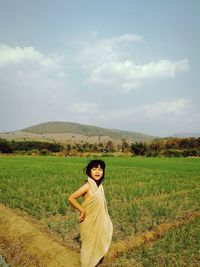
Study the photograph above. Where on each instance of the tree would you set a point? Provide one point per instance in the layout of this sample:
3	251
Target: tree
172	143
125	146
138	148
5	146
110	146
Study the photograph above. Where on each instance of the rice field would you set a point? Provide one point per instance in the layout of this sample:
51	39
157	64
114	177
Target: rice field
141	193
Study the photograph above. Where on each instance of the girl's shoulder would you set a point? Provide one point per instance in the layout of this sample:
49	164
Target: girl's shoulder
83	189
89	186
86	185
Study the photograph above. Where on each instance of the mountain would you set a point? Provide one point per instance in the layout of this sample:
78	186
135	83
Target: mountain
74	132
185	135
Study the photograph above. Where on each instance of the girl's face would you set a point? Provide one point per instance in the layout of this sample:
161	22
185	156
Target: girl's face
97	173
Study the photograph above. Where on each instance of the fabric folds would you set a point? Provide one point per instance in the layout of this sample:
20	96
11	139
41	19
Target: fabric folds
96	229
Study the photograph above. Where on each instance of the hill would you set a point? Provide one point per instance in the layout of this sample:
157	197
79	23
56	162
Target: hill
82	129
74	132
185	135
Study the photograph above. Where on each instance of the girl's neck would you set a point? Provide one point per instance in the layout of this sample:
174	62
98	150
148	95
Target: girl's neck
98	182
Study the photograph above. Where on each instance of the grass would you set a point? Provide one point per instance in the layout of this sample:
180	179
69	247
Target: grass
179	247
141	192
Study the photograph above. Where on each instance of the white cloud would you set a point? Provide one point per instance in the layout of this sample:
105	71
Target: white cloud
17	55
63	74
125	38
32	86
108	63
93	55
35	86
97	52
127	75
83	108
159	118
175	107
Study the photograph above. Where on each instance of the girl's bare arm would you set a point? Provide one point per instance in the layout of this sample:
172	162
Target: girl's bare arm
72	199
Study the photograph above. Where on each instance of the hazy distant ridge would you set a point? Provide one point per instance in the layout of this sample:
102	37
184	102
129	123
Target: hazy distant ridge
58	127
185	135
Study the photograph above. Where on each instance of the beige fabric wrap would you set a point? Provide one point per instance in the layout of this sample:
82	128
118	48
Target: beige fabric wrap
96	229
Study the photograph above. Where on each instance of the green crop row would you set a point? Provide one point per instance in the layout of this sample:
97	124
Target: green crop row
178	248
141	192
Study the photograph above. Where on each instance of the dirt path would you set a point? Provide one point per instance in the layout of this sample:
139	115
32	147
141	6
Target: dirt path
25	244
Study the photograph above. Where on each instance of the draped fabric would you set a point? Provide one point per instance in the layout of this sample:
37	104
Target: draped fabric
96	229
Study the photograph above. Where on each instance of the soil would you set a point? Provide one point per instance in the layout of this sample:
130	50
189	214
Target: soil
24	243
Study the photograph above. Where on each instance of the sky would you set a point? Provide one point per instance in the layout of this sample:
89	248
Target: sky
130	65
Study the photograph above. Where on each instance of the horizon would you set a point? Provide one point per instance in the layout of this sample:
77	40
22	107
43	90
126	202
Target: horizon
131	66
189	134
74	123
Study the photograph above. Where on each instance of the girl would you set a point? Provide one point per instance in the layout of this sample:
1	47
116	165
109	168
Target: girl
95	225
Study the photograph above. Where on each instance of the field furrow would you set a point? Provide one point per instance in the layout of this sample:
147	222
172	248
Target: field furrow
147	198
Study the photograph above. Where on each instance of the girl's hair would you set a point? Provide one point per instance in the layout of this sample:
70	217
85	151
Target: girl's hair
94	164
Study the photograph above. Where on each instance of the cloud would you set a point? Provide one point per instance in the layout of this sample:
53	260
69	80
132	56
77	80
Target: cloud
28	66
108	63
18	55
127	75
33	86
156	118
159	118
96	52
83	108
91	56
122	39
175	107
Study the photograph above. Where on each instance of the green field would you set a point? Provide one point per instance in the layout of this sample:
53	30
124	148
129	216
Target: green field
141	193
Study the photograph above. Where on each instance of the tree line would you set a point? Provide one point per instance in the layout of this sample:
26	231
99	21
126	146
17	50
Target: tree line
169	147
28	146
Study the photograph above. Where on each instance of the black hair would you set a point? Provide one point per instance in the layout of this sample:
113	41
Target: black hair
94	164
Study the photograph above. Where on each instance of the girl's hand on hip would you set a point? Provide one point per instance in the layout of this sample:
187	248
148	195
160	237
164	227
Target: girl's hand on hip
82	215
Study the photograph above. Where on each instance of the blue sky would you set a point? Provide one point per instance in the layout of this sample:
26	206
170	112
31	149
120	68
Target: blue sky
130	65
